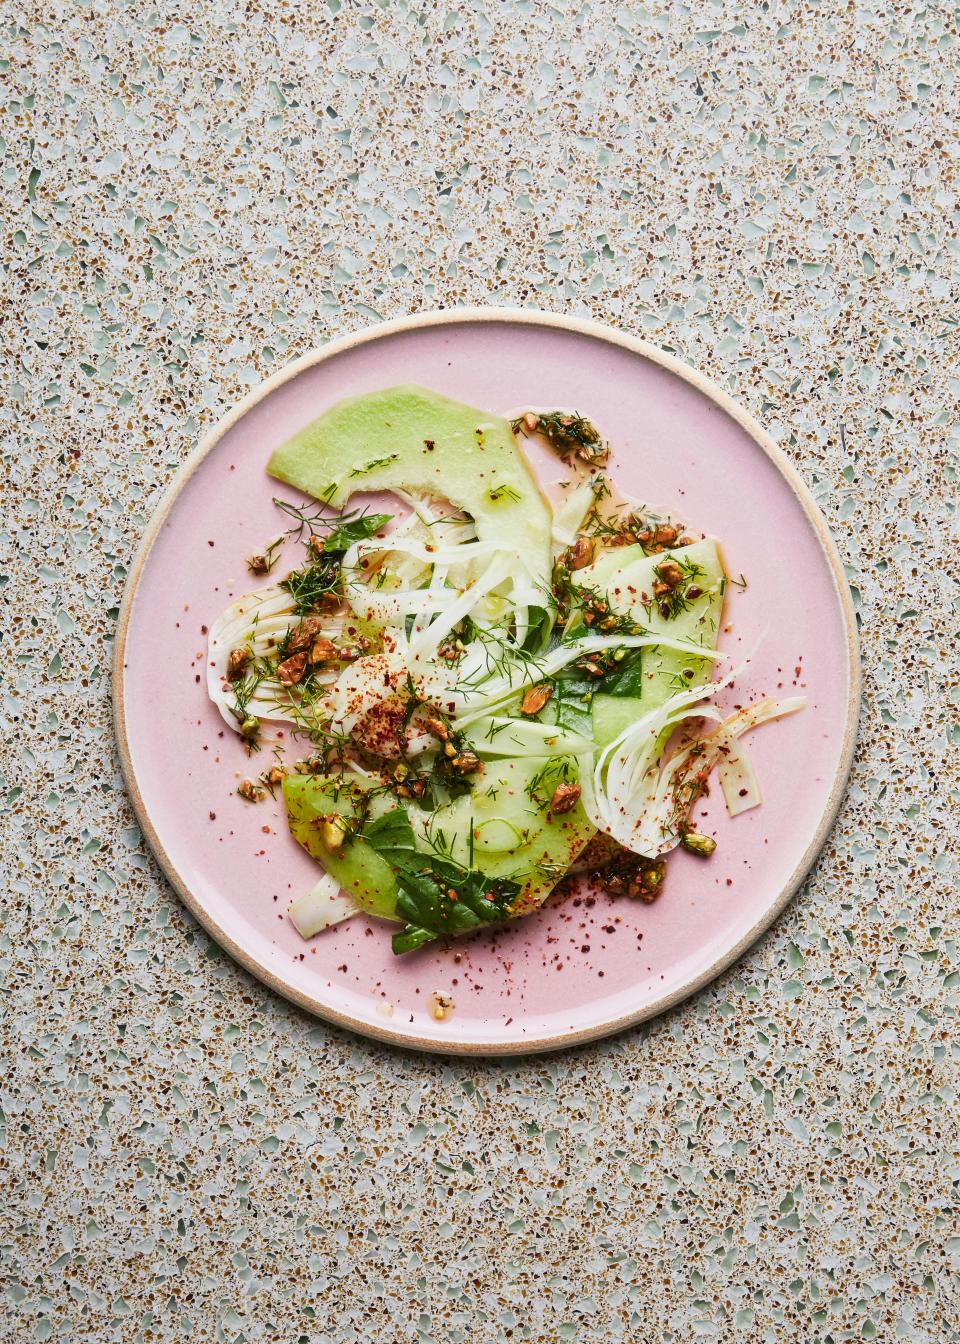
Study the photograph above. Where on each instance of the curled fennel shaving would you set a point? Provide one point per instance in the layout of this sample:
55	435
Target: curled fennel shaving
323	906
643	803
258	623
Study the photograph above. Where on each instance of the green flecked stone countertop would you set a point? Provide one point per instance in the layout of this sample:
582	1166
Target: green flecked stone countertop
193	196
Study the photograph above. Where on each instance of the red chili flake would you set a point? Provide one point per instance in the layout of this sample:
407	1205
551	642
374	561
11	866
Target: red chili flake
213	816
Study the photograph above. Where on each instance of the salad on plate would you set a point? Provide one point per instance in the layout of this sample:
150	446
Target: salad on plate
482	687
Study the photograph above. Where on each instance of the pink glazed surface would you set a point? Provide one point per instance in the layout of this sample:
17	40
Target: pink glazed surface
571	971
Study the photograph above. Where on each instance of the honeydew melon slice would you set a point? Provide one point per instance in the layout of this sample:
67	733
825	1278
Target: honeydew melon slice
409	438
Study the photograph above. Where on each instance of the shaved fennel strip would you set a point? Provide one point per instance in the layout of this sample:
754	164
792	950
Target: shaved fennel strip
437	581
386	605
601	789
531	738
634	800
245	616
430	553
430	637
569	518
236	626
420	506
323	906
258	621
741	789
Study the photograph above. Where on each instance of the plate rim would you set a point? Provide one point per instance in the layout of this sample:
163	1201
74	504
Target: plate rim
597	331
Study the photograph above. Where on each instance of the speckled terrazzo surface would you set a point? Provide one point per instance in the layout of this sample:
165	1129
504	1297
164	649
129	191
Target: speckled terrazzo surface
190	201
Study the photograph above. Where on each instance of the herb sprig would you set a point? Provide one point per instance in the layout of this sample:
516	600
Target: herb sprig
543	785
313	523
318	585
568	433
436	896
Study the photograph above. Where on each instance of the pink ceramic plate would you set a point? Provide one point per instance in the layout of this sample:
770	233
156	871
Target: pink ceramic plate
571	972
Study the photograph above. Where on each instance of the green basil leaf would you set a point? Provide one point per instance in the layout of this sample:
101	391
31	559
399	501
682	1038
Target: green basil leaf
355	529
571	698
627	677
409	939
392	837
541	626
424	883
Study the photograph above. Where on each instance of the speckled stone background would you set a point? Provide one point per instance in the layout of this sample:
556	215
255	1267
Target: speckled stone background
191	197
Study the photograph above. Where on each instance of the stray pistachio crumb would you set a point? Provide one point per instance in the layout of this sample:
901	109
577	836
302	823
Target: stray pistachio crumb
441	1005
695	843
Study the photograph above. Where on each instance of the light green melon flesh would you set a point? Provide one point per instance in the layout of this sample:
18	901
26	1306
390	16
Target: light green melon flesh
360	870
501	795
499	807
623	575
475	462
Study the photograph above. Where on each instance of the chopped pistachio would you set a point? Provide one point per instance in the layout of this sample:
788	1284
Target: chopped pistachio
333	831
535	698
695	843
